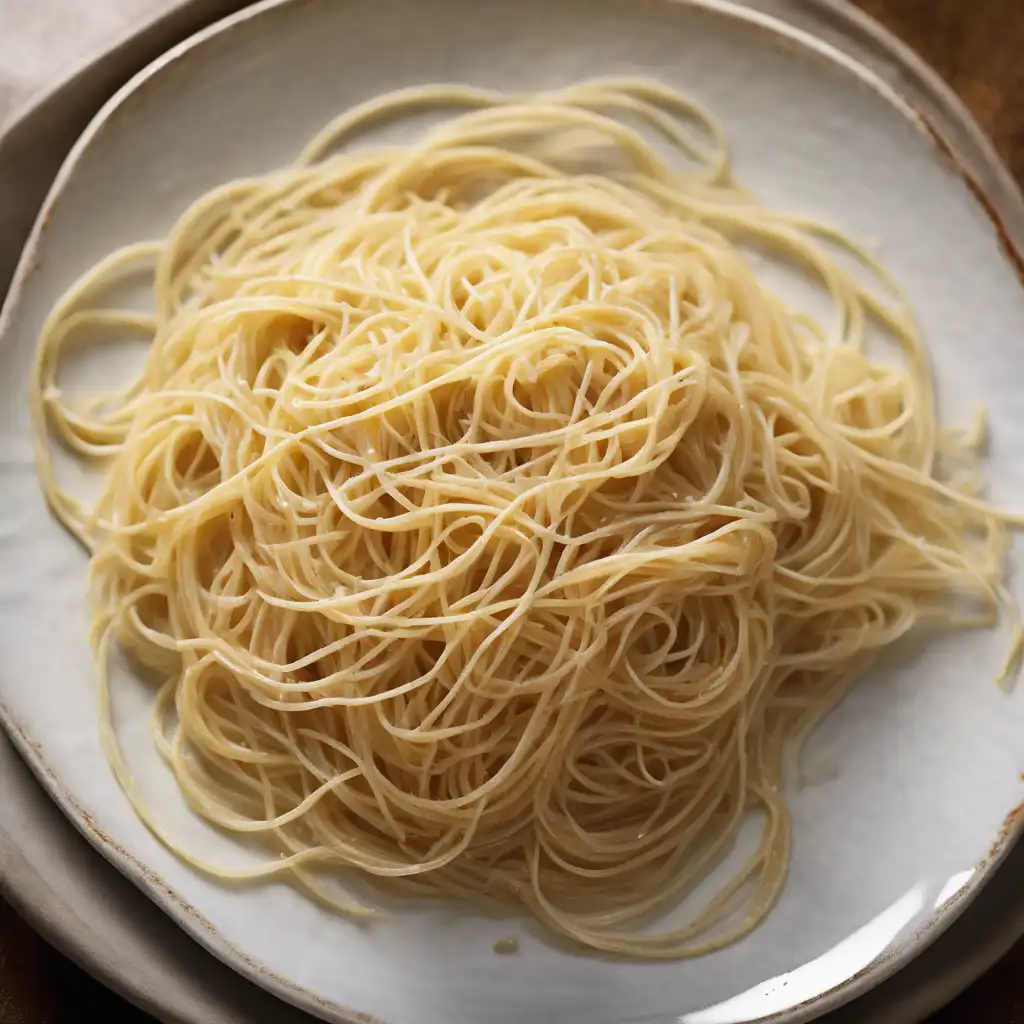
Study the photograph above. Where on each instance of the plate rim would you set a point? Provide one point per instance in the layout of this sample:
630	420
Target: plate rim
958	139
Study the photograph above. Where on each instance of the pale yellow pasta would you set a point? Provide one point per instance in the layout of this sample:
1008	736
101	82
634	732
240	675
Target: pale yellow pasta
496	531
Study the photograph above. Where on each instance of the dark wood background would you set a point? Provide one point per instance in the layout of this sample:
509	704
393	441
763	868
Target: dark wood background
978	47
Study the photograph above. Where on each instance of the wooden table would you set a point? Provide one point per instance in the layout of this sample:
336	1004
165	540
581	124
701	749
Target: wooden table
978	47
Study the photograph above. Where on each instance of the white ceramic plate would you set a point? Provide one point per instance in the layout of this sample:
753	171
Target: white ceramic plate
887	853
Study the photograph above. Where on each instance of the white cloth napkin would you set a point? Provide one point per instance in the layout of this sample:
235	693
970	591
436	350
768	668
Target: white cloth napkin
42	41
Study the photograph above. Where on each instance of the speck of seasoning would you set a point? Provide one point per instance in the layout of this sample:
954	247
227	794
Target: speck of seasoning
503	947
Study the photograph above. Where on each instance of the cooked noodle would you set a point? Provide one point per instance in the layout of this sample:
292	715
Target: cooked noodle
496	531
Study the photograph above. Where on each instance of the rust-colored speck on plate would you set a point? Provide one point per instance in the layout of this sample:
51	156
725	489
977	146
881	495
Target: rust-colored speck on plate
1002	235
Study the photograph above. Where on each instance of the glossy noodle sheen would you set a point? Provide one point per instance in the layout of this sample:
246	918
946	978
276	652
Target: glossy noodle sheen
496	531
